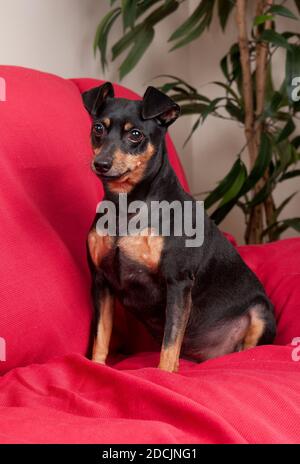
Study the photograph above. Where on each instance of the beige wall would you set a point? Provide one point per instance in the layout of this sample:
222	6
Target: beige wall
57	35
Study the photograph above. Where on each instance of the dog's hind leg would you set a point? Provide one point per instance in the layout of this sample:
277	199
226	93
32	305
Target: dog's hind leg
261	328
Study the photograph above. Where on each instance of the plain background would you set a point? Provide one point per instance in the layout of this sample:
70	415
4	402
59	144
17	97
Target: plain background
57	36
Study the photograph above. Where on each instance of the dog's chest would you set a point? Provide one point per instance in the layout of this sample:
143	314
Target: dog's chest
130	264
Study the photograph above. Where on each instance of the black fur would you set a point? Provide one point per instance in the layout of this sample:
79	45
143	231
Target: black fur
222	286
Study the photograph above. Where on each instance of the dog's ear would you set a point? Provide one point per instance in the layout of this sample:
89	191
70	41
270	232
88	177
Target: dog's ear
157	105
94	99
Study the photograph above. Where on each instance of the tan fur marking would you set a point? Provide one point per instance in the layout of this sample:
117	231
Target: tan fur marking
99	246
106	122
135	163
128	126
255	331
145	248
169	356
104	329
97	151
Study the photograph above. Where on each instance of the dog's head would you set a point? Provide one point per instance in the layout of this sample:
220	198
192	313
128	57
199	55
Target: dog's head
126	134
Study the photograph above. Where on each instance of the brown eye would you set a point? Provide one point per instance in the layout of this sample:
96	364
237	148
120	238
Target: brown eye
135	136
99	129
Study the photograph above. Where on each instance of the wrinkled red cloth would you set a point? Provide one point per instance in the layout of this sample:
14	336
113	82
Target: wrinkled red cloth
48	198
250	397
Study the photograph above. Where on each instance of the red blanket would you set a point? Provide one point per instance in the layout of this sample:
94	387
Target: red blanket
48	197
251	397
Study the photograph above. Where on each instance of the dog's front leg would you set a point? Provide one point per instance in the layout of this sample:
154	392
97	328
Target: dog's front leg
104	311
177	314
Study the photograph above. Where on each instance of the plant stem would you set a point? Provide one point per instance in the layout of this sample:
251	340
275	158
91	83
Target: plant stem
262	52
255	222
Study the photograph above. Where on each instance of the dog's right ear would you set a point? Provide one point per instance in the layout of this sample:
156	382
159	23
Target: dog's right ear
95	98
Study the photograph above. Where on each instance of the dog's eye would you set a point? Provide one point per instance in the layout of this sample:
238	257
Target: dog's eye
135	135
99	129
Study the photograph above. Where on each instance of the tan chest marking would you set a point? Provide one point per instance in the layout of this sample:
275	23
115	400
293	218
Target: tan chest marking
145	248
99	246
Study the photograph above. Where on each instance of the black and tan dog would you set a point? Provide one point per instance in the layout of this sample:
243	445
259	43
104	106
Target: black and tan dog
198	302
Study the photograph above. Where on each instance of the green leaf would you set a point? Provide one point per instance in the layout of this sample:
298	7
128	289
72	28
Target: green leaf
224	67
262	162
179	97
193	108
235	59
293	223
143	41
144	6
102	32
222	211
296	142
157	15
211	108
121	45
269	90
235	111
262	19
280	227
193	35
225	7
292	70
235	188
273	105
225	184
179	81
274	38
191	22
194	128
168	7
281	207
261	195
287	130
129	10
290	175
281	11
284	150
228	89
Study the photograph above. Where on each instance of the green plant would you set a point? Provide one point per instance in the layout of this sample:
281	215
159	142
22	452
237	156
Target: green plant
248	97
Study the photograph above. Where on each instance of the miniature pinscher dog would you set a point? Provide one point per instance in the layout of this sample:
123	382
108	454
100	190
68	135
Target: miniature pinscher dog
197	302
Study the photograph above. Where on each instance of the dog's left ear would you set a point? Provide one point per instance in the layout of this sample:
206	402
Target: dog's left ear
157	105
94	99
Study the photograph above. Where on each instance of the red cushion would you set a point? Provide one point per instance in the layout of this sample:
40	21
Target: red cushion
249	397
278	267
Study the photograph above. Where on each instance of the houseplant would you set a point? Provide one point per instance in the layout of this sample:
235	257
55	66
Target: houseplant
248	96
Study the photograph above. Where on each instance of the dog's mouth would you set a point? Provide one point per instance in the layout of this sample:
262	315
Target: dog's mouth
120	177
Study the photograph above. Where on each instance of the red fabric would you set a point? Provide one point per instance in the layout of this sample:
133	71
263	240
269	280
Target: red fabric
48	197
278	267
250	397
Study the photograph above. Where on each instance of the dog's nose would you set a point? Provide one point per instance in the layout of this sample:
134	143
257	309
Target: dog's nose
102	165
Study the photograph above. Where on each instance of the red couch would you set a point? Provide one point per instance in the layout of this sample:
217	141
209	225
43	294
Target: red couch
49	391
